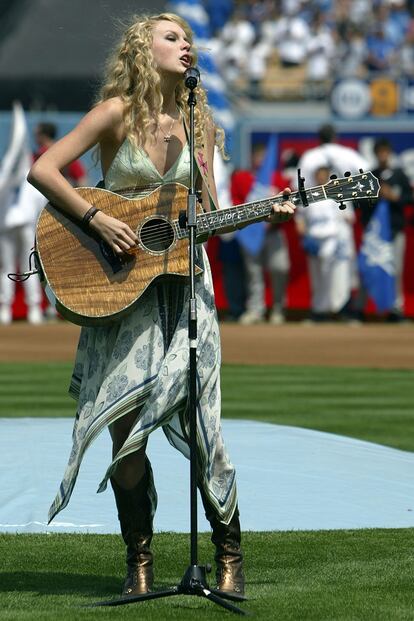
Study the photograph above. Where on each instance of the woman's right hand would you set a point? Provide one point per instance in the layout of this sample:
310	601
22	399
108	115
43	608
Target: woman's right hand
118	235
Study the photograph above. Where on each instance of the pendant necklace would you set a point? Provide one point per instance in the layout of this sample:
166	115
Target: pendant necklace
167	136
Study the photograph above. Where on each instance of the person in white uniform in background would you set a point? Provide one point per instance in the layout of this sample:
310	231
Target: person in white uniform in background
327	238
336	157
20	204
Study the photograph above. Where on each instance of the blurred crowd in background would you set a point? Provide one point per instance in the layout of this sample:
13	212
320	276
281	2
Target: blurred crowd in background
353	254
267	47
252	268
262	47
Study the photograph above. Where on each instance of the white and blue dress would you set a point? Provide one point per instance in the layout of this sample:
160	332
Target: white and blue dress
140	363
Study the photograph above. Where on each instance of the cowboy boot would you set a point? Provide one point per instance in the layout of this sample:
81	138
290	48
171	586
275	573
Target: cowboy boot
134	513
228	556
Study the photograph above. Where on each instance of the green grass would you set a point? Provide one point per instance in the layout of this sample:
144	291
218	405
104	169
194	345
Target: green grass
35	389
325	575
369	404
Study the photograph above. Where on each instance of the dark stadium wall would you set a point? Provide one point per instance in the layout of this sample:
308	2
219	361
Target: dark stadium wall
52	52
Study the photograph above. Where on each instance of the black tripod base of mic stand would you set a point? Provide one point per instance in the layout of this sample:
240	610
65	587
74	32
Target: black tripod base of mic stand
194	582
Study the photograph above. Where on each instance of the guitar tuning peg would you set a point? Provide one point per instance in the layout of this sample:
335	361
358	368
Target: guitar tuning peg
333	177
342	206
361	170
302	190
347	174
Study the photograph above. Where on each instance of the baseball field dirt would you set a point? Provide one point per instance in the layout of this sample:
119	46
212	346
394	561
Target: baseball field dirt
369	345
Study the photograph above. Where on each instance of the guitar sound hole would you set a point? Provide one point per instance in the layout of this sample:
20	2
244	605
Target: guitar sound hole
157	235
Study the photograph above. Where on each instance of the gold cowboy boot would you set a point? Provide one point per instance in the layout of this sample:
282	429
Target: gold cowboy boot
228	556
134	513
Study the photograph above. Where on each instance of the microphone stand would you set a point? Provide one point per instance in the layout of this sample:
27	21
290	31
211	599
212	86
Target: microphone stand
194	581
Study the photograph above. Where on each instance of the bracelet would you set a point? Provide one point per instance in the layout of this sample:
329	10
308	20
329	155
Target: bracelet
87	217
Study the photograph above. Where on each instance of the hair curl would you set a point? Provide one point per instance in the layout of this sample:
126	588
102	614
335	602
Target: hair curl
131	75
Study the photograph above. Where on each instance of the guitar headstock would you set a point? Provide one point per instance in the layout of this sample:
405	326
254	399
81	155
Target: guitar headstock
363	185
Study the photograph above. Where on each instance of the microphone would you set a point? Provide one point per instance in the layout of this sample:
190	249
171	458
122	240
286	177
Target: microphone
191	77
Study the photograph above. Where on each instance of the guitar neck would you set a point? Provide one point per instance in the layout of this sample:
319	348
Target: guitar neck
233	218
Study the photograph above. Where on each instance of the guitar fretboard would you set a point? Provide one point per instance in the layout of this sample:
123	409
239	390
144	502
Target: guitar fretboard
255	211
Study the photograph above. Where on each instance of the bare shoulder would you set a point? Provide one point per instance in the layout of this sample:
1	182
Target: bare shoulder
113	108
108	115
102	125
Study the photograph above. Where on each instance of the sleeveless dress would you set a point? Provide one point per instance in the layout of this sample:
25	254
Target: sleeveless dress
140	363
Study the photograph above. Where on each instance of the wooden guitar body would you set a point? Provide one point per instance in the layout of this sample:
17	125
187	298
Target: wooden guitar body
87	283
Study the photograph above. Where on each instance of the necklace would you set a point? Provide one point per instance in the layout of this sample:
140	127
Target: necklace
167	136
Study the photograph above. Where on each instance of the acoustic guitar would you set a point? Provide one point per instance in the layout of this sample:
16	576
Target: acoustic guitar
90	285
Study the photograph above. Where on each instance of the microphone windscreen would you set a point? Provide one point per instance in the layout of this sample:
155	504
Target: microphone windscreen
191	77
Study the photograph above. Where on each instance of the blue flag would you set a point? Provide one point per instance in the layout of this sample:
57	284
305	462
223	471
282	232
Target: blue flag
252	237
376	259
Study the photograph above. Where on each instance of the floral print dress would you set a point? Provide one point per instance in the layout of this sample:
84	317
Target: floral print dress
140	363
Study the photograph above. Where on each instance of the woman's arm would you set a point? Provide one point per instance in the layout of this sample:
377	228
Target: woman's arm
210	133
103	125
281	211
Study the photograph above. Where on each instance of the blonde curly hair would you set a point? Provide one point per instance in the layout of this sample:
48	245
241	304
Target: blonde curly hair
131	75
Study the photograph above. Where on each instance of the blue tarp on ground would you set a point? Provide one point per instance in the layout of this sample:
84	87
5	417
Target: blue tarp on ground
288	478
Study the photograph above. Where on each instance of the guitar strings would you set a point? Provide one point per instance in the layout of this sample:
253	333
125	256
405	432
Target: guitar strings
161	232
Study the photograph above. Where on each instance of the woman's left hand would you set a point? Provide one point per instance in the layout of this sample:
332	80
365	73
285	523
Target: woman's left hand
282	212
